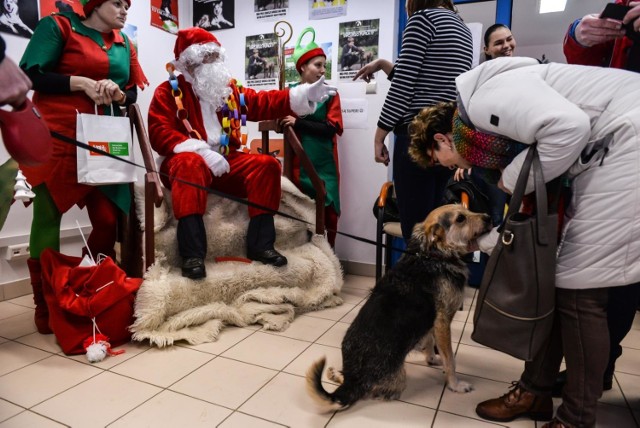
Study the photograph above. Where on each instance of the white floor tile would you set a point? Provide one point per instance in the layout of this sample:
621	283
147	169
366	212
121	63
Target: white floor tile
448	420
630	386
15	356
312	354
334	314
383	414
8	410
305	328
354	296
29	419
465	404
267	350
424	386
227	338
130	349
8	310
284	400
488	363
45	342
358	281
240	420
334	336
631	340
613	416
42	380
352	314
124	395
18	325
169	410
162	366
628	361
224	382
26	301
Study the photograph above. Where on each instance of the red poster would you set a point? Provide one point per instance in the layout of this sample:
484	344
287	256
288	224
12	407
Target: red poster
164	14
47	7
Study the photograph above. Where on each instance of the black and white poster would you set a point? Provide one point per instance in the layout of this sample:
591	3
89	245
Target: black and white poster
270	10
18	17
214	15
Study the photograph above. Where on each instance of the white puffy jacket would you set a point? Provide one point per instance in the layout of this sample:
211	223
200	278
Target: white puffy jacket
569	110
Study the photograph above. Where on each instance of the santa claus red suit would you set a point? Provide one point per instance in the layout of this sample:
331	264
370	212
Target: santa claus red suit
214	106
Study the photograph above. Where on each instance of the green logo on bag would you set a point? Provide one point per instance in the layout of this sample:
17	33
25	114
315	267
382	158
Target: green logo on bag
119	148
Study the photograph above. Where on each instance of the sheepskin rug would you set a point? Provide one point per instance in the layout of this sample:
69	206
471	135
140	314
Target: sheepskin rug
169	307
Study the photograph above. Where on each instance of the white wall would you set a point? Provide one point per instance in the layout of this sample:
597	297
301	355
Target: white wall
361	176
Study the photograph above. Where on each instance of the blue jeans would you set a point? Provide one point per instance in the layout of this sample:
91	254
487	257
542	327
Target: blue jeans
579	332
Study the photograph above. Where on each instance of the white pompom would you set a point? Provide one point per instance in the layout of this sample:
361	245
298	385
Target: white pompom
96	352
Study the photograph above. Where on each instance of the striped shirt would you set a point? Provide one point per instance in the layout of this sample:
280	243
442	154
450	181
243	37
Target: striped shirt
436	48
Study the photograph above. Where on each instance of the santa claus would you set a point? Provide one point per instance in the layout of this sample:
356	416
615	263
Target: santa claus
198	128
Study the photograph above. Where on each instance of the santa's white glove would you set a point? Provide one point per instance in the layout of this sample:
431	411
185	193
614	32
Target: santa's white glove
320	92
214	160
488	241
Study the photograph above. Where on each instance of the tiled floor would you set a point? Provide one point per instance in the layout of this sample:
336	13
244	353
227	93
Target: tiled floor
254	378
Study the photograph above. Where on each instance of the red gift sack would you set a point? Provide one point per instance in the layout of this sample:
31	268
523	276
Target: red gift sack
79	295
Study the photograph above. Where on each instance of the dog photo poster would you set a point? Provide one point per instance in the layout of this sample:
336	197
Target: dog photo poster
214	15
164	15
358	46
261	60
18	17
47	7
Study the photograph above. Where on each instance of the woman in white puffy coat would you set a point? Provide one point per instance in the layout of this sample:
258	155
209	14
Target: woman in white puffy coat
586	122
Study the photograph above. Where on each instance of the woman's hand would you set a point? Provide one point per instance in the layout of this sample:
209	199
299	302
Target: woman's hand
381	154
592	30
366	72
288	121
633	15
90	88
459	174
110	91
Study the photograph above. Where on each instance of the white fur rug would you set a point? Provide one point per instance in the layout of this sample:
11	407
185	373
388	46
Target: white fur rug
170	308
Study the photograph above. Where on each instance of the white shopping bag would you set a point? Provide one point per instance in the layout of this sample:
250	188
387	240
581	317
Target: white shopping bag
111	134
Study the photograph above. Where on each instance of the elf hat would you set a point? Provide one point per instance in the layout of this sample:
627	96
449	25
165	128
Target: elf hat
192	36
302	54
89	5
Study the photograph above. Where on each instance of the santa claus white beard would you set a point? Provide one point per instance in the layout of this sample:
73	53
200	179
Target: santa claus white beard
211	83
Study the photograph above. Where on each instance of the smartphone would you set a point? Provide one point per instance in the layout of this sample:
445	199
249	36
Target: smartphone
615	11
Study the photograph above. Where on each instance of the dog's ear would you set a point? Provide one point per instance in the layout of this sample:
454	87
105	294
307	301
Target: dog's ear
436	235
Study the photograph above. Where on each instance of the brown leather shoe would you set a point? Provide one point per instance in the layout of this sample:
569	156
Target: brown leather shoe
515	403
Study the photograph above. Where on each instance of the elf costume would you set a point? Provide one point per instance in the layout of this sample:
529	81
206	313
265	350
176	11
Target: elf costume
208	156
318	133
62	47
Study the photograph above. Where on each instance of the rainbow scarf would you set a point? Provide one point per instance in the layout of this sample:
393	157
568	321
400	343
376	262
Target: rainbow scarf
481	149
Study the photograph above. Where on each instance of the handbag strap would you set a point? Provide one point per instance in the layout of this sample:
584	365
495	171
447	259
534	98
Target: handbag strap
532	160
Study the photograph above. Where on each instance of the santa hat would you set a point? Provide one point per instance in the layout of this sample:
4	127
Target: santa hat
302	54
89	5
193	36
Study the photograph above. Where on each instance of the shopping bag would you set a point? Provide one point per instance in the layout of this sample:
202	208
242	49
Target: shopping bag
516	301
111	134
80	298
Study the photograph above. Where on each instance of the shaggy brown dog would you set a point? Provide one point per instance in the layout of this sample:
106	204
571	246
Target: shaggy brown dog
411	305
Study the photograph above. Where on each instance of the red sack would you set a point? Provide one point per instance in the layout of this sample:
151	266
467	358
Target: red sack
75	295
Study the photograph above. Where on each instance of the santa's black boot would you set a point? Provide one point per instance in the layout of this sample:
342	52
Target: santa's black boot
261	235
192	246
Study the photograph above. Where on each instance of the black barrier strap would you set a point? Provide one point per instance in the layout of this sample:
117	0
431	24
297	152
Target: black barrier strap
77	143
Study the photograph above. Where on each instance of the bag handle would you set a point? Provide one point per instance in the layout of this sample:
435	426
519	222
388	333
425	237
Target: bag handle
532	159
95	109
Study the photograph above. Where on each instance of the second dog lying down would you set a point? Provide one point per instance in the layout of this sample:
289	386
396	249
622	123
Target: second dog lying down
413	303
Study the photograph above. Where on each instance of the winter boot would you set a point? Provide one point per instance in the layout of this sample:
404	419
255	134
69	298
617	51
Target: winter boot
41	316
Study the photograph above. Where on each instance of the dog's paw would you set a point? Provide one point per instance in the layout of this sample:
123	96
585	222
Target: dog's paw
460	386
434	360
335	375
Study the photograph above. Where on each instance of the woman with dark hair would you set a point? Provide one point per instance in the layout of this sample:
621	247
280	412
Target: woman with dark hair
498	41
583	120
76	64
436	48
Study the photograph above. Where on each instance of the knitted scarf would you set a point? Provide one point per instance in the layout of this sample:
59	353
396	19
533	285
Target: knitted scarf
481	149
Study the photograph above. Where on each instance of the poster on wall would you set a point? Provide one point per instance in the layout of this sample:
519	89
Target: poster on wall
47	7
164	15
270	10
319	9
291	74
261	60
214	15
358	46
132	33
18	17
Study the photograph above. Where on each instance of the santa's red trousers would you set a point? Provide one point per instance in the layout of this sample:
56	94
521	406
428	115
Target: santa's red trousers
251	176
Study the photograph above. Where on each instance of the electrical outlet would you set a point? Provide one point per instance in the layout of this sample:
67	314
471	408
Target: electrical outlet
17	251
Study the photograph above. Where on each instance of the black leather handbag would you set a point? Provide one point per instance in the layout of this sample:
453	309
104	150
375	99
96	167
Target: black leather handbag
516	301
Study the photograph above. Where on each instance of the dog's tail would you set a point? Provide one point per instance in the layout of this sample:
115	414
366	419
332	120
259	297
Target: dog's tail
326	401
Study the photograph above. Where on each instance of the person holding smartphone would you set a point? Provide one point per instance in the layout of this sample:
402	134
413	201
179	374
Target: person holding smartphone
609	39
